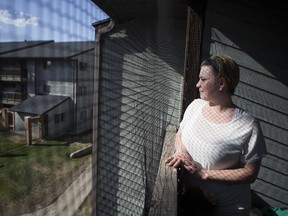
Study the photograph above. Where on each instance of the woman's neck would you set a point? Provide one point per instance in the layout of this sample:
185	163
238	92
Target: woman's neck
221	105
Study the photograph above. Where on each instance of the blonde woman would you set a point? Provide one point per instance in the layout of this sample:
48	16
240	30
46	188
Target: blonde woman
219	145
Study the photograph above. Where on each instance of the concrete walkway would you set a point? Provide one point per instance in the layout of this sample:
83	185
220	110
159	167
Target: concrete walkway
68	203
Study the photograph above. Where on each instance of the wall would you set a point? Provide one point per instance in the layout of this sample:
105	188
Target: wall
140	93
20	127
254	35
58	129
60	76
31	77
84	91
66	78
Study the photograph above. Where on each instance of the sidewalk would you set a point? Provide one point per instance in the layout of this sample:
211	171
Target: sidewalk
69	202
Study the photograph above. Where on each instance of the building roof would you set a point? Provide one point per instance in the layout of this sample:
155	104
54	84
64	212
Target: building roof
6	47
125	10
44	50
39	104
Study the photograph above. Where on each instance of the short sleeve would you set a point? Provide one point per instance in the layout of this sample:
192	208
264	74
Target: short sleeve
255	146
193	108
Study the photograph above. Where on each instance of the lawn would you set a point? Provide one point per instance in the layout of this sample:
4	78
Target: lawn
31	177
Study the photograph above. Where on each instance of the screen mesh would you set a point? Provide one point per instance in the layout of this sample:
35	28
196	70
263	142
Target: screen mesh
140	93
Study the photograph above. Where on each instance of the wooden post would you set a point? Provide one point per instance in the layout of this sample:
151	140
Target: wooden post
4	119
41	126
12	114
28	130
164	201
192	62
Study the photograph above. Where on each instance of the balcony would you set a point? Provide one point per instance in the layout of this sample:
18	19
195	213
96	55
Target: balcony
13	75
12	98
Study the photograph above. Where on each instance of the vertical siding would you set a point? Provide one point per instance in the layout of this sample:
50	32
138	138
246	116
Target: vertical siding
140	85
255	36
84	100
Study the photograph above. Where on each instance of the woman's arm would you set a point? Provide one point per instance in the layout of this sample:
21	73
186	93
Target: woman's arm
247	174
179	147
174	161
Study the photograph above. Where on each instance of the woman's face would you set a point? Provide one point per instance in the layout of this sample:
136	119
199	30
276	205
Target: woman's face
208	84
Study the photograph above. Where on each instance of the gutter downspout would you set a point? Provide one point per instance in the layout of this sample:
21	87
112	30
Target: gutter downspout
100	28
74	65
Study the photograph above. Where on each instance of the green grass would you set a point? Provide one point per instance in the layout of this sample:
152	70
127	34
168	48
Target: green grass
31	177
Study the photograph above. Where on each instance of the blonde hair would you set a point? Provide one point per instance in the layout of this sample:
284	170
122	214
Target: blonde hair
224	67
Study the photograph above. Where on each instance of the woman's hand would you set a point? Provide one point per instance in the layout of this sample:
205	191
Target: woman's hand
182	157
191	165
185	160
173	161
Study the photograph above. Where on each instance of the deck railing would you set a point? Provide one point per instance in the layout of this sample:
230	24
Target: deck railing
13	74
12	97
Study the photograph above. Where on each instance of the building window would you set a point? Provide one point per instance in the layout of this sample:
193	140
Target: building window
58	118
47	64
46	88
82	66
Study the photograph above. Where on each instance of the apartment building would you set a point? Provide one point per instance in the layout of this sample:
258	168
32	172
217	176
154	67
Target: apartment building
49	82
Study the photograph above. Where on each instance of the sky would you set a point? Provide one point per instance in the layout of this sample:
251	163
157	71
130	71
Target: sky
58	20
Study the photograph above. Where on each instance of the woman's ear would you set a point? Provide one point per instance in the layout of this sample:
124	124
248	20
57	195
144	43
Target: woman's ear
222	83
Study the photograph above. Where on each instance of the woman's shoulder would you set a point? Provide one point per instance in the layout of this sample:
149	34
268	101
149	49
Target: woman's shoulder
245	116
196	104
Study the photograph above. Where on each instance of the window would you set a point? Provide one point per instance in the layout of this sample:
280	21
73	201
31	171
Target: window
82	66
47	64
58	118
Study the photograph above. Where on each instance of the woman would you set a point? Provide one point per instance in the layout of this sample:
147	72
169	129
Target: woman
219	144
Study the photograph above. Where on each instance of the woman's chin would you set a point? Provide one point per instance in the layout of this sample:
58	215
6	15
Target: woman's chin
202	97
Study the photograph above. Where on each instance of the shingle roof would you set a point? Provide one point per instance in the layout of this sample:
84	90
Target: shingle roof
39	104
6	47
49	50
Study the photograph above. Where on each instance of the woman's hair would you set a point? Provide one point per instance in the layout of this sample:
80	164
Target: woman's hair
224	67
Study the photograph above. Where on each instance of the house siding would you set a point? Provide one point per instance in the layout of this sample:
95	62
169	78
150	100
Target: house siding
19	122
84	91
62	127
63	76
140	94
253	36
31	80
60	76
